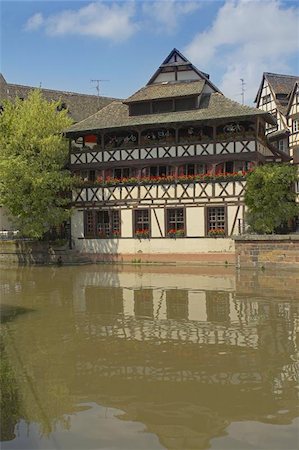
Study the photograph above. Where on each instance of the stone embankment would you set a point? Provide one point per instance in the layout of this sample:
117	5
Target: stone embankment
267	251
30	252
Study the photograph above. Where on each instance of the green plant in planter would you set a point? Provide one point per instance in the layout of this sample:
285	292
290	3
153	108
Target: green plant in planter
142	234
216	232
173	233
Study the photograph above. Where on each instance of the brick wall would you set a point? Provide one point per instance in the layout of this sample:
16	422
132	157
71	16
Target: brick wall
273	251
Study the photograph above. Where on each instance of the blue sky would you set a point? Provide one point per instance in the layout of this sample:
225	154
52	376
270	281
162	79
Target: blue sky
65	44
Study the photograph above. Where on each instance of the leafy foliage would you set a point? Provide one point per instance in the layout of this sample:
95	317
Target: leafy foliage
270	197
33	155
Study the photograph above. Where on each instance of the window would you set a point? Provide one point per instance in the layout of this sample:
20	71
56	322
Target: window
161	106
102	224
191	169
138	109
142	223
123	172
184	104
295	126
266	99
281	96
158	171
87	175
175	222
216	221
229	167
281	145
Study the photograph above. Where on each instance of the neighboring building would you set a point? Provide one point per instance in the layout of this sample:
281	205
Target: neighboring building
79	106
165	170
293	122
278	94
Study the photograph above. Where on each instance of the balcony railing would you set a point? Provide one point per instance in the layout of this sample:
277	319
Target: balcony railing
168	179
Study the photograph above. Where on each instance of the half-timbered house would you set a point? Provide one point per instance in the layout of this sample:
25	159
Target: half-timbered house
164	171
278	95
293	122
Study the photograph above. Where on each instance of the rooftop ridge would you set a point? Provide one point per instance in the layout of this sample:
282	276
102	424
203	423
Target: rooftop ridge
57	91
281	75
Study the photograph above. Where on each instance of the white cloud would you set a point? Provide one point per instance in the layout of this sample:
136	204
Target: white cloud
112	21
247	38
34	22
167	13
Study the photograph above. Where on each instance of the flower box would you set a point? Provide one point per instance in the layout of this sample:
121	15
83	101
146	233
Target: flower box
142	234
175	233
216	232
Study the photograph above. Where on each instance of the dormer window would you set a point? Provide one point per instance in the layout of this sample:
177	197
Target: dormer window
161	106
281	96
164	105
184	104
139	109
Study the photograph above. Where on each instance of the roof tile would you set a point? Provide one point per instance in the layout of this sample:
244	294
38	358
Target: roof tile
214	106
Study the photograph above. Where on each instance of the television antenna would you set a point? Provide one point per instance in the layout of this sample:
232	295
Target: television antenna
97	87
242	90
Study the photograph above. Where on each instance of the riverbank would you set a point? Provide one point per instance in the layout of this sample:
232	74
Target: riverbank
247	251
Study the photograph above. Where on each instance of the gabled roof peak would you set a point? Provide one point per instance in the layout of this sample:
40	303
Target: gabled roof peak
176	67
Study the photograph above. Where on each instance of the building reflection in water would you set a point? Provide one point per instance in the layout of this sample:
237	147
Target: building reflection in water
186	355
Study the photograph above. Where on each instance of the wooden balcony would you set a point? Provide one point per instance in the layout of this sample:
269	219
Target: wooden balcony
195	192
98	156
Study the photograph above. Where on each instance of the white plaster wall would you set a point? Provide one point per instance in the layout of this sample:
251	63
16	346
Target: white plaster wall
155	246
294	107
126	223
188	75
231	214
77	224
195	220
166	76
154	225
250	146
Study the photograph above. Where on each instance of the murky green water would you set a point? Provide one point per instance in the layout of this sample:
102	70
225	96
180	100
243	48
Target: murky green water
97	357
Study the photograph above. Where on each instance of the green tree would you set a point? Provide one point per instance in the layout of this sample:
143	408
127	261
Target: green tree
33	156
270	197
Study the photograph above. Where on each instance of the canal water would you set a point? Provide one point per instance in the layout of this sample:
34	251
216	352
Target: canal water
100	357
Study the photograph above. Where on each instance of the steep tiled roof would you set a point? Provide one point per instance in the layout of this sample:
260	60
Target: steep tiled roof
80	106
281	84
166	90
213	106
